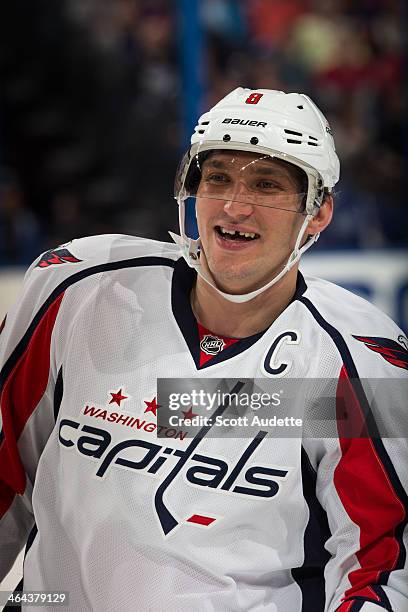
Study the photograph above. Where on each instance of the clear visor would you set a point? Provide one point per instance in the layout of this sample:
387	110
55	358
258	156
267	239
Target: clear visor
244	178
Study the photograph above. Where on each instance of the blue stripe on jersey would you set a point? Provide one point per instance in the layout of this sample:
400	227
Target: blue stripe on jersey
310	576
373	431
358	603
58	393
349	364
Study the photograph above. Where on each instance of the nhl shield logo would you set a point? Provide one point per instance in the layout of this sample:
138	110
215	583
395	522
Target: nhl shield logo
211	345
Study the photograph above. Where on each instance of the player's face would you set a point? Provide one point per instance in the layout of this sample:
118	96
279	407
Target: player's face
248	218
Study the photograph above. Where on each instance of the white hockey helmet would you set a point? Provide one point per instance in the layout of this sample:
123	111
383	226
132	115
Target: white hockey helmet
286	126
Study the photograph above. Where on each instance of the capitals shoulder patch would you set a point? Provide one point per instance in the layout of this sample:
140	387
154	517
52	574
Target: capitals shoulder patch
391	351
56	257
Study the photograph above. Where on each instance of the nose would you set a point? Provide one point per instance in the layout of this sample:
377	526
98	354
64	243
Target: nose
235	208
237	203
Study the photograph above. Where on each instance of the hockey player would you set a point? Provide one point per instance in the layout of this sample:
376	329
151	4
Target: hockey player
124	519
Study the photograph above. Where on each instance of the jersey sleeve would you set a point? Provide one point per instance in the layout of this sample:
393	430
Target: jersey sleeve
28	393
33	342
362	484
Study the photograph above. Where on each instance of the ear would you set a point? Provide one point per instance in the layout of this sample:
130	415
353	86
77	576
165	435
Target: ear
322	218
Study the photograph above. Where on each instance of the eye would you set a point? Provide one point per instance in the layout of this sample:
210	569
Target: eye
266	185
216	178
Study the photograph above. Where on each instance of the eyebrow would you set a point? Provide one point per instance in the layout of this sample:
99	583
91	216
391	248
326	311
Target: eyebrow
215	163
264	170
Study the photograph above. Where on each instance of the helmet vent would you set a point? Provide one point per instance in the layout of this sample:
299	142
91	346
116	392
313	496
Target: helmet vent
301	107
201	125
312	140
293	133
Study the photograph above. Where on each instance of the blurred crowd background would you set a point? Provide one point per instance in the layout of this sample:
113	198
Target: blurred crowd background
92	94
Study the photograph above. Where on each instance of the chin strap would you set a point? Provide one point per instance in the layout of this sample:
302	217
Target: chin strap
190	250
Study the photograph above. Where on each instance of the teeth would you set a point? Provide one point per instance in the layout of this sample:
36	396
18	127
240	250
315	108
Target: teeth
225	231
233	232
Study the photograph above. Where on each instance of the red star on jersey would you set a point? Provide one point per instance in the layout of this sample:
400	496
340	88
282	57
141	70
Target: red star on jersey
189	414
152	406
117	397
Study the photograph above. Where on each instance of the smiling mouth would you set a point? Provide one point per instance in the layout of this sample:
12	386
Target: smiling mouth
236	235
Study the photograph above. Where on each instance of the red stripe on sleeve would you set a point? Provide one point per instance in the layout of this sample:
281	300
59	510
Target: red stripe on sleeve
345	607
20	395
367	495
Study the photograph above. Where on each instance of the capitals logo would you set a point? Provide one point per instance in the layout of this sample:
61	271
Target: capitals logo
56	257
199	470
396	354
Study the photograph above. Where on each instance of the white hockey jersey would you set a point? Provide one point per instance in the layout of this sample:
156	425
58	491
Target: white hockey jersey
125	520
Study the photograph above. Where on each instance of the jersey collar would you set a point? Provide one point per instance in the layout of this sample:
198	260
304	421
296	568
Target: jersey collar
182	283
